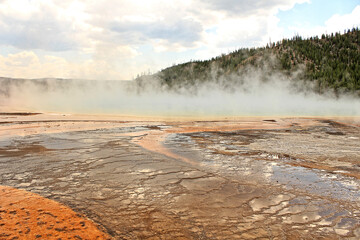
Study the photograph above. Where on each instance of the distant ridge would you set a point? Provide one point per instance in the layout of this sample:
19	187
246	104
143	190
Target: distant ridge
330	62
53	84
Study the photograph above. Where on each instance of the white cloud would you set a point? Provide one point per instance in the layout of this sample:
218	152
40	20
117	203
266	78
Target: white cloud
177	25
112	33
245	8
35	25
341	22
242	24
21	59
337	23
29	65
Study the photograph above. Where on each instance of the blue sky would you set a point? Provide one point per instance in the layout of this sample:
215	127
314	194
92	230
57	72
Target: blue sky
107	39
314	13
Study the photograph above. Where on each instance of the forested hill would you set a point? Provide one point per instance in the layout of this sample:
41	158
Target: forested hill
330	61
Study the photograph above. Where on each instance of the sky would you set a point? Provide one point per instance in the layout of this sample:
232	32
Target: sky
117	40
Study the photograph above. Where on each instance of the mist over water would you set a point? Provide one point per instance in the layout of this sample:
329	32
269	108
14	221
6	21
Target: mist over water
249	95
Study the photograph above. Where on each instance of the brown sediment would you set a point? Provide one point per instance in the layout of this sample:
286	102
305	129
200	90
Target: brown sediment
326	144
137	194
25	215
153	139
324	167
23	125
320	165
23	150
40	127
18	113
226	126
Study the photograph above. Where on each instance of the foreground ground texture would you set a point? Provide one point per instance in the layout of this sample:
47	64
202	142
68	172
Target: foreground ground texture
245	178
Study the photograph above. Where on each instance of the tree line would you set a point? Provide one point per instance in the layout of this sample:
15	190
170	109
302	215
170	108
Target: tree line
331	61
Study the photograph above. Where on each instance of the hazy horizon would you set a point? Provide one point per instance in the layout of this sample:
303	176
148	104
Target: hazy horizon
248	96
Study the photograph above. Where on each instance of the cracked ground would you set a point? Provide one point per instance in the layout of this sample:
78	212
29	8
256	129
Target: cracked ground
278	179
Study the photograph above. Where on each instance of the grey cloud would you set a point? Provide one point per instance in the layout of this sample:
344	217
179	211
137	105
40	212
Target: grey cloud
42	31
253	38
184	31
243	7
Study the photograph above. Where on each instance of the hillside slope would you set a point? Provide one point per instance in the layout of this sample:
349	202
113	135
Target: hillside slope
329	63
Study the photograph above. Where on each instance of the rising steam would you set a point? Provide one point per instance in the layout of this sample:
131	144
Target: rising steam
254	92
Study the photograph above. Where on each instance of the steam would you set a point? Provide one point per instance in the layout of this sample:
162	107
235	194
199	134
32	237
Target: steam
252	92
